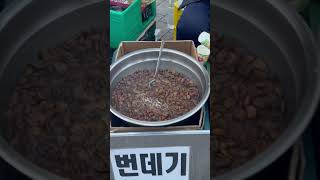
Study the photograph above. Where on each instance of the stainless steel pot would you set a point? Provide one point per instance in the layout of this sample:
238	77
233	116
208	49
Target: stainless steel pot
26	27
274	31
170	59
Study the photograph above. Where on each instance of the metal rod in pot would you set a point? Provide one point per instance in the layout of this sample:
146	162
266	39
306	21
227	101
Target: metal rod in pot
157	67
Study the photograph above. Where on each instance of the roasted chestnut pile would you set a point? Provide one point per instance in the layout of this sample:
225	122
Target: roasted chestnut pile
170	96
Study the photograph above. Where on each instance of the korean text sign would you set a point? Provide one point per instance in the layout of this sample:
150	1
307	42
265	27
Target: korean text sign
151	163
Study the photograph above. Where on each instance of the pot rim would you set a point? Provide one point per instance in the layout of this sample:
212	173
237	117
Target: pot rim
170	121
306	109
7	153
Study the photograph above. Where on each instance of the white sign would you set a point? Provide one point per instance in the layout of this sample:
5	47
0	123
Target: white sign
151	163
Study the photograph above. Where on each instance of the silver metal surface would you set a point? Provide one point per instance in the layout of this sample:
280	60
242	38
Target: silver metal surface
157	67
26	27
290	51
170	59
198	141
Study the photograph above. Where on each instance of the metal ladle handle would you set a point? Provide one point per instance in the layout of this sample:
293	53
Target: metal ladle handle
157	67
158	62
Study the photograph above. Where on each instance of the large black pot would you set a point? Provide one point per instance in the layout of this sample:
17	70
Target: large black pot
271	29
25	28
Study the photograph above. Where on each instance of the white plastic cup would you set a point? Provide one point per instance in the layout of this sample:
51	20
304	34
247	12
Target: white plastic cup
204	39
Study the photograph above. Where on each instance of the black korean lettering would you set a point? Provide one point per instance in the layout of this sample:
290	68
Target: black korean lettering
183	164
151	164
175	157
124	162
159	164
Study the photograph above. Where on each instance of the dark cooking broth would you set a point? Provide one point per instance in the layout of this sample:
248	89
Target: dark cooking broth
171	96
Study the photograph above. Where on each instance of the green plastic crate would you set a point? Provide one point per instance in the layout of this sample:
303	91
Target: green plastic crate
150	34
127	25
